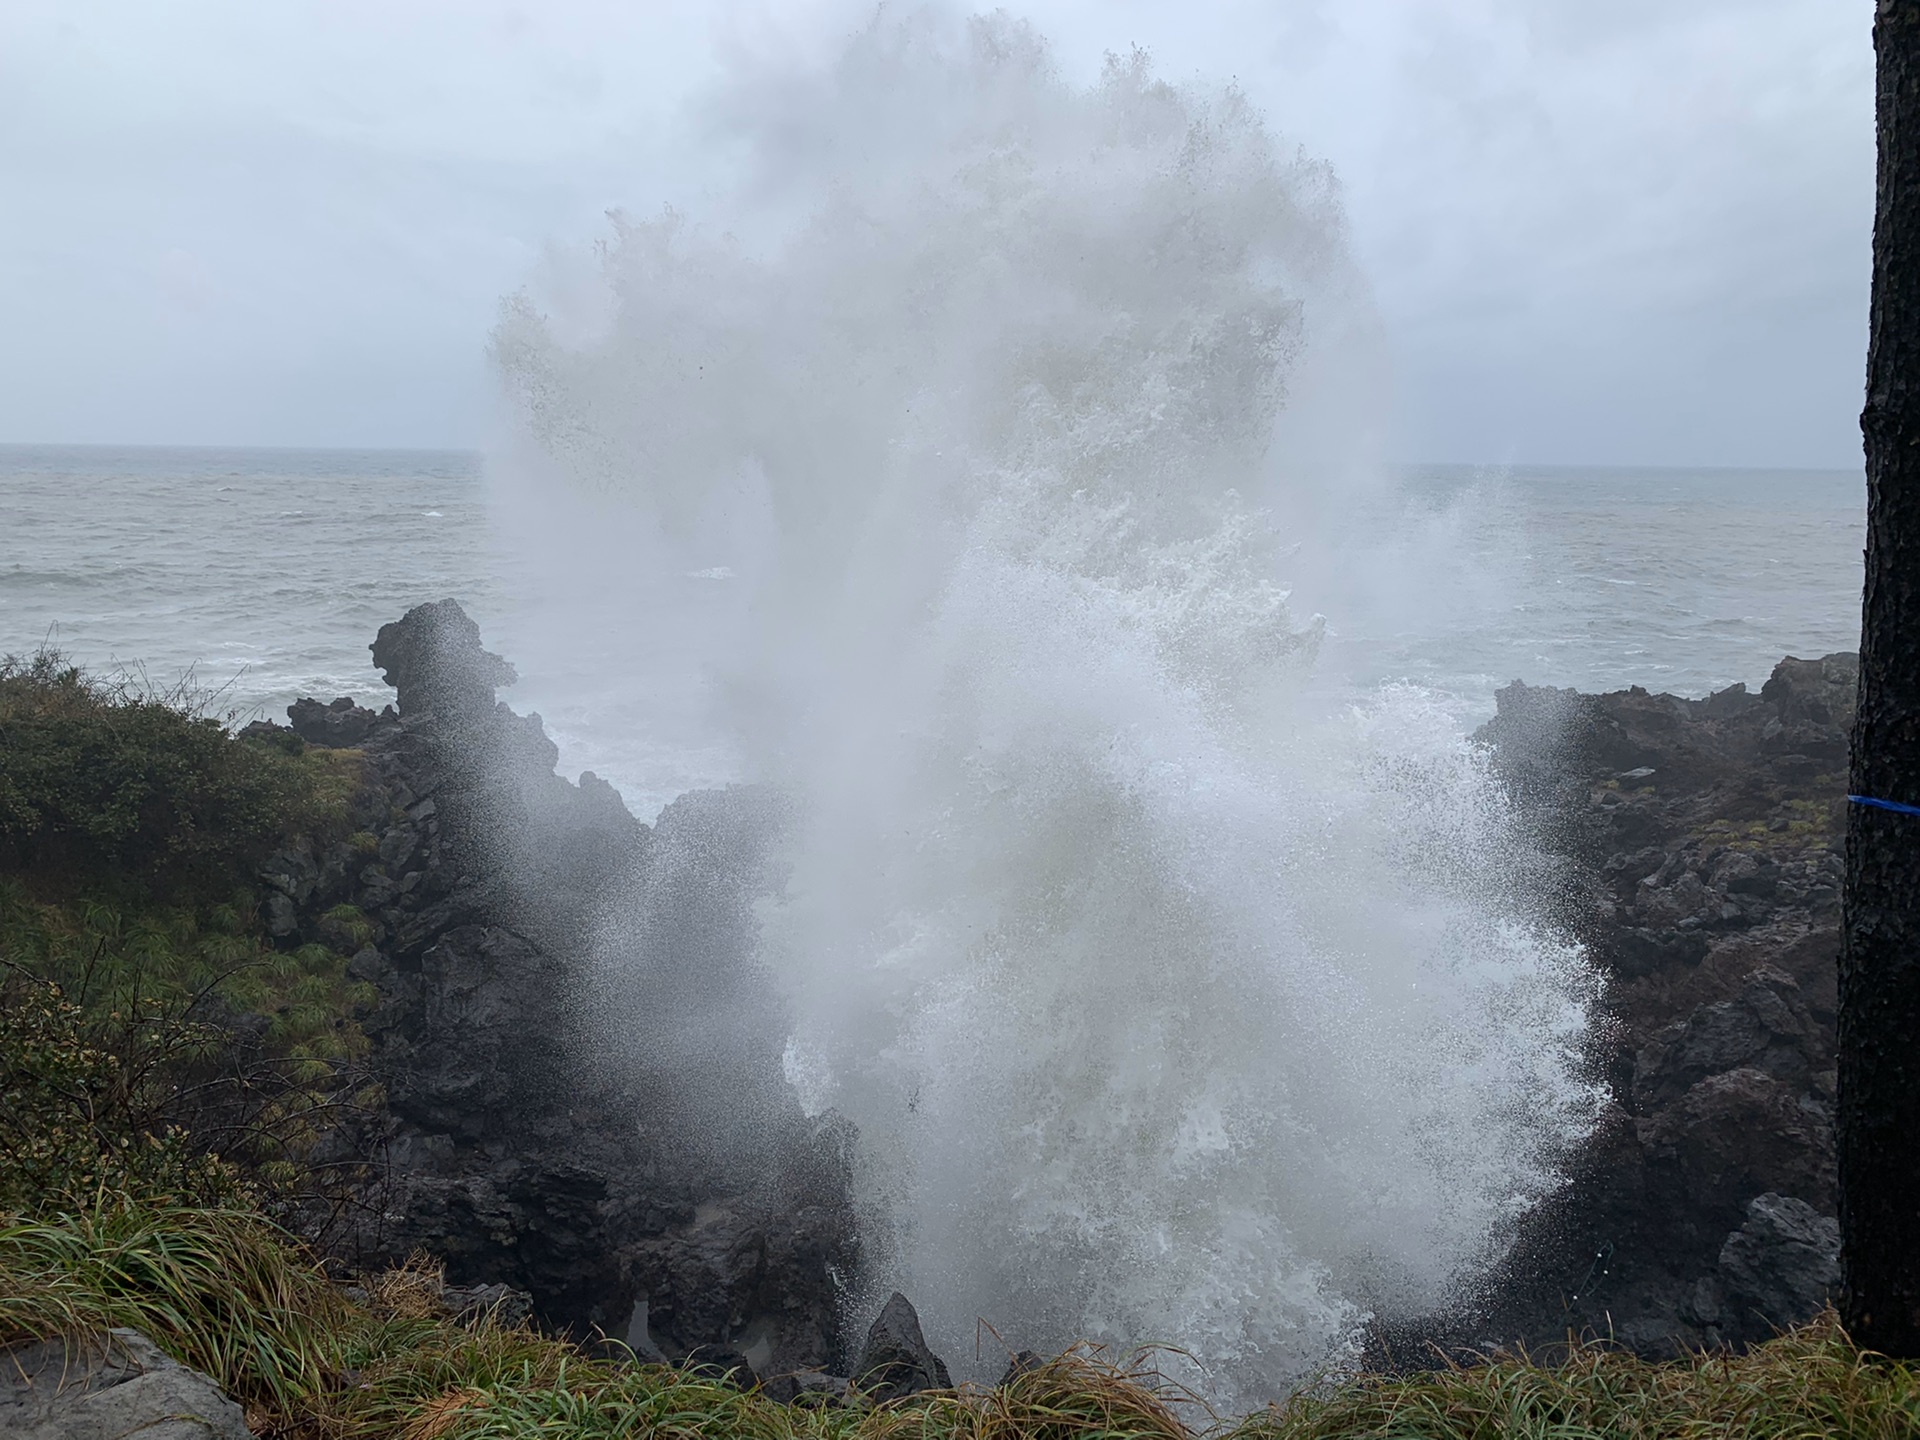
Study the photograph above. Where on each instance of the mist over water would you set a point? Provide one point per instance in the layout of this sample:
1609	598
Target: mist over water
1180	992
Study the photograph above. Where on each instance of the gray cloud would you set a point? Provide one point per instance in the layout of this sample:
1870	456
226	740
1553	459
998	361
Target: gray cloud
1630	233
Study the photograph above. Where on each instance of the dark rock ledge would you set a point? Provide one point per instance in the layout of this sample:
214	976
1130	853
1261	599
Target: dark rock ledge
541	959
582	1091
1699	848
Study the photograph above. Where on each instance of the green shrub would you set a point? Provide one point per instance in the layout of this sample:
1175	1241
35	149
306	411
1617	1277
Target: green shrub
77	1122
137	1049
346	927
167	1027
100	779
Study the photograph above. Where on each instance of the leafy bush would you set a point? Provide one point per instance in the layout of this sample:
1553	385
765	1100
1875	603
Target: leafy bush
151	1023
99	778
135	1052
77	1122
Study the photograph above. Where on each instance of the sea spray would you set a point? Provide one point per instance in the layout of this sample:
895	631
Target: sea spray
1172	1000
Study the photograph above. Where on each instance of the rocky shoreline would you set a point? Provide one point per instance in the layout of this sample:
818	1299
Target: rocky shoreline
507	1146
1699	846
550	1120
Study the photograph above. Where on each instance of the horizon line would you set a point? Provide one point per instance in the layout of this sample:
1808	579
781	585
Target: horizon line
480	452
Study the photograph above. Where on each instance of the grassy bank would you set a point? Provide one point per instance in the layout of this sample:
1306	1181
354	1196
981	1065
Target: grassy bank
225	1291
152	1034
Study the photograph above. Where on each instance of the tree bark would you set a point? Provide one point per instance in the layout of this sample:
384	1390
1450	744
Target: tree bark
1879	1096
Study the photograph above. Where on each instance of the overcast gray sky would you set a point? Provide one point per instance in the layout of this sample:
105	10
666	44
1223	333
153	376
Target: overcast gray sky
1631	233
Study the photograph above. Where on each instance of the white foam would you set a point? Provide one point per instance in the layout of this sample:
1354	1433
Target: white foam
1174	999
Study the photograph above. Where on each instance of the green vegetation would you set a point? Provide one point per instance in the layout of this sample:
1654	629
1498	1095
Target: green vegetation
127	1089
1797	824
1811	1382
147	1022
220	1289
102	779
223	1290
77	1118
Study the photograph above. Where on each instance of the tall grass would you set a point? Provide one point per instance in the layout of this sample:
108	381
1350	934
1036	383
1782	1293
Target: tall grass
228	1293
1810	1382
225	1291
221	1290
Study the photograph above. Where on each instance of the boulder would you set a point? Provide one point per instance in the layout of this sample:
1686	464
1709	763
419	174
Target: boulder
1737	1134
1763	1026
895	1361
106	1387
815	1389
1782	1265
501	1304
338	725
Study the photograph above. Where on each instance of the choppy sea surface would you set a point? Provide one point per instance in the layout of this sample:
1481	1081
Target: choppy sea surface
264	574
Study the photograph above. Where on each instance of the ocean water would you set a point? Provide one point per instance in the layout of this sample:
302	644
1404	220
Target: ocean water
1683	580
263	575
262	572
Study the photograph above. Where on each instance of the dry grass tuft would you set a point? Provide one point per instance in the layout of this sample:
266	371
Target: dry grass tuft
436	1417
413	1291
1082	1394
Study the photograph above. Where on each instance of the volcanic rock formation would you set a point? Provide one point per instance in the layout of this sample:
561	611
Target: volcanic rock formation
1700	843
583	1091
547	1123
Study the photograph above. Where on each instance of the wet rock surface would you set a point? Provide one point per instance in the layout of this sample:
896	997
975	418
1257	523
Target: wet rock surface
563	994
108	1387
339	724
896	1362
548	1119
813	1388
1699	845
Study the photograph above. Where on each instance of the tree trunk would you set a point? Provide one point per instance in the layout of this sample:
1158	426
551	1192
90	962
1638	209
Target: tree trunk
1879	1100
